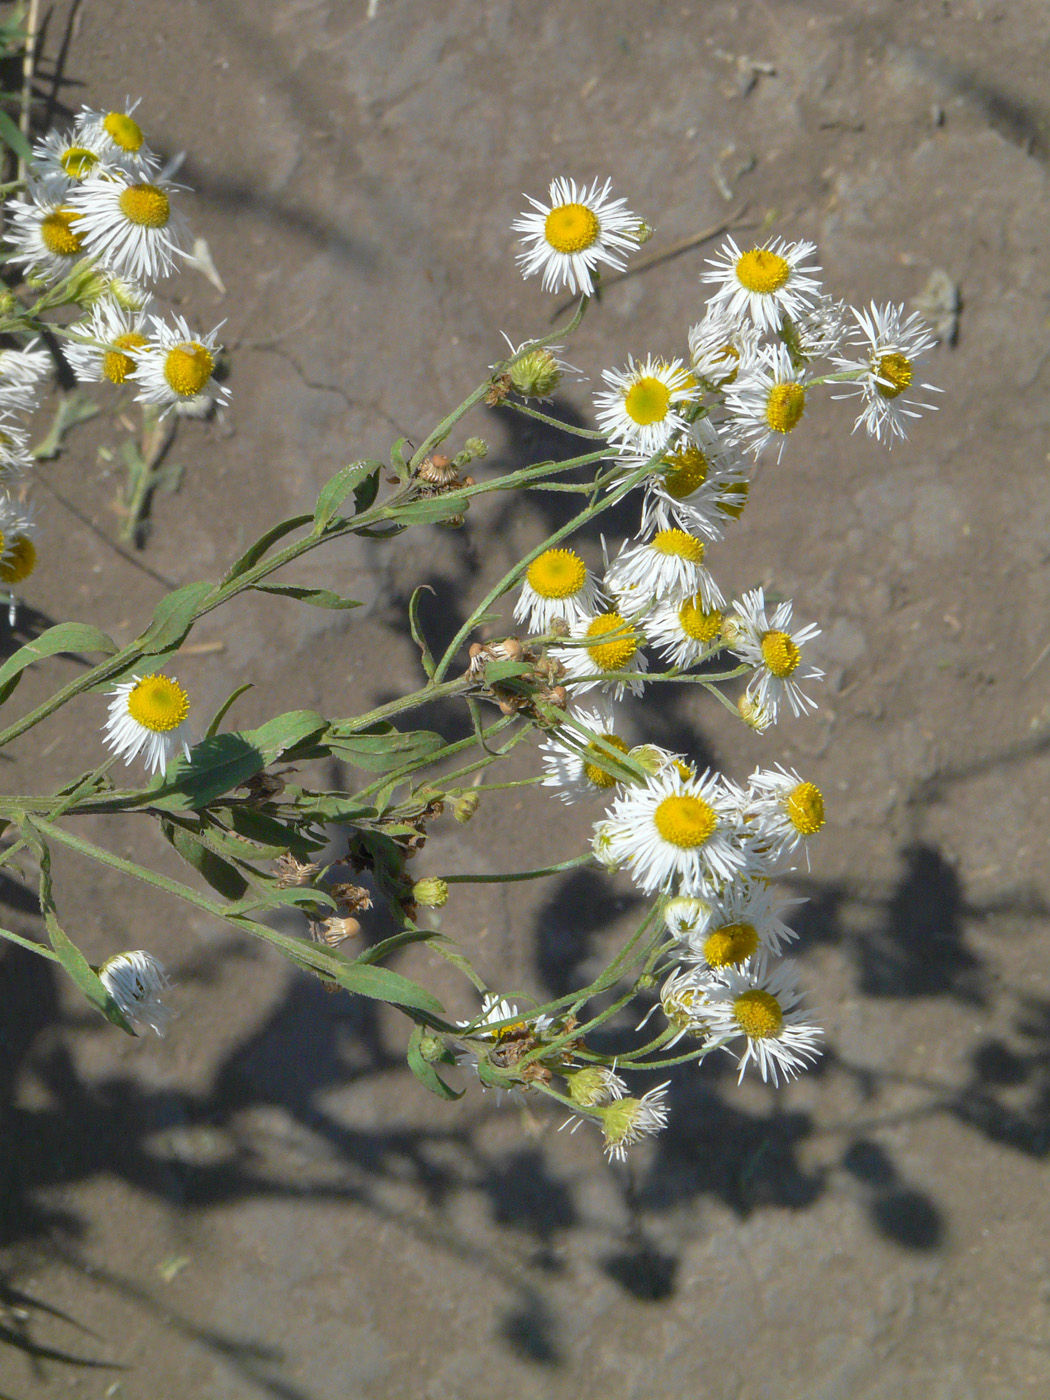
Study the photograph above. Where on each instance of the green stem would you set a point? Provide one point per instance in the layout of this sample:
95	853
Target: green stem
574	864
557	423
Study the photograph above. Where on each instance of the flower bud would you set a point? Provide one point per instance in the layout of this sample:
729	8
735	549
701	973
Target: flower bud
594	1085
430	892
465	806
536	375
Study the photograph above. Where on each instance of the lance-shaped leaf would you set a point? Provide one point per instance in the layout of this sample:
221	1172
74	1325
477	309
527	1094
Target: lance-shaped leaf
424	1069
316	597
381	747
256	550
172	618
219	873
66	637
362	478
428	511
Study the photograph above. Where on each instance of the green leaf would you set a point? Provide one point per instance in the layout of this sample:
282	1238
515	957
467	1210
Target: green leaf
255	551
254	835
65	637
383	985
270	897
425	1071
172	618
429	664
382	747
11	136
224	709
362	478
496	671
429	511
222	876
318	597
214	766
398	459
281	736
329	806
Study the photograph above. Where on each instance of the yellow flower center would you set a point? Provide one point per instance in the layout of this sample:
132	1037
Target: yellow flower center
187	368
122	131
734	498
677	543
593	771
762	271
145	205
19	561
647	401
685	821
805	808
117	365
685	471
679	1006
78	161
612	655
56	233
158	703
785	406
758	1014
557	573
730	945
732	354
780	654
570	228
893	374
697	623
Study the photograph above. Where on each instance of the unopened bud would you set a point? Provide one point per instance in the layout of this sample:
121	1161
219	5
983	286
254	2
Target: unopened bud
536	375
431	1048
644	231
594	1085
465	806
477	447
431	892
8	303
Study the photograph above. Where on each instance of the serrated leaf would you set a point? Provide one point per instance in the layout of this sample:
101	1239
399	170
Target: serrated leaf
425	1071
222	876
382	747
172	618
317	597
355	478
255	551
64	637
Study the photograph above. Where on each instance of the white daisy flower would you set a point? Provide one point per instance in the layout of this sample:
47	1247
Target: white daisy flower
577	766
20	373
628	1120
762	1006
696	484
15	456
65	158
569	236
783	811
609	643
128	224
746	921
768	401
17	548
46	233
682	1000
119	337
766	284
641	410
677	832
893	345
768	644
556	584
684	634
147	716
818	331
135	981
721	345
686	917
176	366
116	134
668	568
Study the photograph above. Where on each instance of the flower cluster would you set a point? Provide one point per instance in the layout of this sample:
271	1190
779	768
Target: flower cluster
684	431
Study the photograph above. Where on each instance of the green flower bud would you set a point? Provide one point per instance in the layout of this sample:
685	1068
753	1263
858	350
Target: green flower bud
465	806
431	892
536	375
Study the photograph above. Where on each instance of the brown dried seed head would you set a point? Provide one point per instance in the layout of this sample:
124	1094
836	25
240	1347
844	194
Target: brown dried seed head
294	874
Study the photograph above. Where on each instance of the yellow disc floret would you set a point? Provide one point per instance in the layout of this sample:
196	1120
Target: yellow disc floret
785	407
123	131
762	271
647	401
19	559
893	375
780	654
697	623
730	355
78	161
678	544
685	471
557	573
145	205
758	1014
614	654
57	233
158	703
805	808
730	945
188	367
118	364
685	821
592	769
734	498
570	228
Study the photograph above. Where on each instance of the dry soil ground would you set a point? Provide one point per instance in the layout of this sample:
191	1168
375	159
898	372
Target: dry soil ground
265	1204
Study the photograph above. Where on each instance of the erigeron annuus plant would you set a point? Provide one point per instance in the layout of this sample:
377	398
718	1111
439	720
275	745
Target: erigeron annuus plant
679	430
